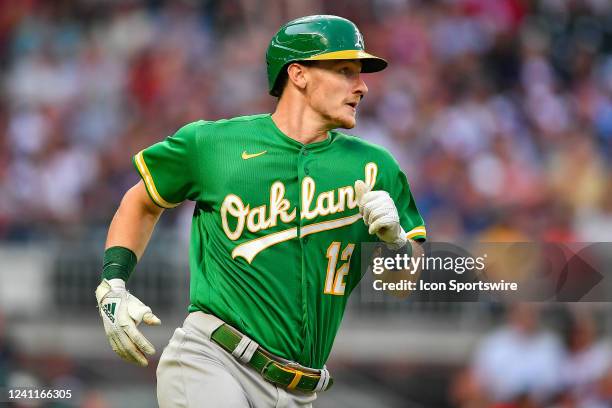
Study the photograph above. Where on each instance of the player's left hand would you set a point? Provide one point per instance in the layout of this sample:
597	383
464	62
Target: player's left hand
380	215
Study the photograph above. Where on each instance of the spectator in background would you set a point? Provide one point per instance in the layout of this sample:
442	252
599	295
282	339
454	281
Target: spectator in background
517	365
594	223
502	109
587	370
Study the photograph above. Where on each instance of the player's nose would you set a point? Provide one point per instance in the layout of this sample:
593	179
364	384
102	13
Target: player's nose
361	88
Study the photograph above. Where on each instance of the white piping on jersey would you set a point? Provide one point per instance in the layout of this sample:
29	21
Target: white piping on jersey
249	250
328	225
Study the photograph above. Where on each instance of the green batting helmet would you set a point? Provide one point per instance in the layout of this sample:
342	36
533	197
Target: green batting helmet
316	38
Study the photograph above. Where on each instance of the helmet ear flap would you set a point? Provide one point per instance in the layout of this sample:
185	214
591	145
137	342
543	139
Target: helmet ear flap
280	83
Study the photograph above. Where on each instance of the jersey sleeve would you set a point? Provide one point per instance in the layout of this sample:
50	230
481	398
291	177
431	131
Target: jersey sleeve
410	219
169	168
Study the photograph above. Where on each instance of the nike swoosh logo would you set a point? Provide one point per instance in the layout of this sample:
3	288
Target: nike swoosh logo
246	156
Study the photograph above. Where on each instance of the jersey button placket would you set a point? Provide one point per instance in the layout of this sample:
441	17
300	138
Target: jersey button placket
305	154
304	159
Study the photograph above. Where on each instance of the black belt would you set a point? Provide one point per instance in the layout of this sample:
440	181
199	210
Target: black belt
289	375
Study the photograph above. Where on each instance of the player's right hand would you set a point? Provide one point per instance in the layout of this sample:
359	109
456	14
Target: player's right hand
121	312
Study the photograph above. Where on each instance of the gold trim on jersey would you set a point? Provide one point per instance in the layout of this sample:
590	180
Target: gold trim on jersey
326	202
265	216
150	184
334	281
234	205
371	173
339	283
257	218
329	225
250	249
417	231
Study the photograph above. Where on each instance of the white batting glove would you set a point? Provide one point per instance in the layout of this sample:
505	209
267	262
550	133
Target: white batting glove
121	312
380	215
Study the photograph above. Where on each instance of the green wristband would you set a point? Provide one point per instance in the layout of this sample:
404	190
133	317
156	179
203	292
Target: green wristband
119	262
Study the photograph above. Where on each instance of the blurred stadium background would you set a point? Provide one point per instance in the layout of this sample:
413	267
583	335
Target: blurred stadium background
499	111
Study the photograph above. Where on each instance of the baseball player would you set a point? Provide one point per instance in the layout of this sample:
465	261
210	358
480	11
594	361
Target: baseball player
283	202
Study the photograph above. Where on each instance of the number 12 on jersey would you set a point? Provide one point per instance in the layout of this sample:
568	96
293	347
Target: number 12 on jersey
334	280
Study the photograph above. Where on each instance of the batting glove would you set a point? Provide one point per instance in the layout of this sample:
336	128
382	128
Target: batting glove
121	312
380	215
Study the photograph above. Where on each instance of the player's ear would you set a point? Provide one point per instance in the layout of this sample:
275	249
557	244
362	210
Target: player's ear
298	75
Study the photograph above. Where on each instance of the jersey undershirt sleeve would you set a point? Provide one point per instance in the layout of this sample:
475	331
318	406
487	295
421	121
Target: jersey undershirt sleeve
169	168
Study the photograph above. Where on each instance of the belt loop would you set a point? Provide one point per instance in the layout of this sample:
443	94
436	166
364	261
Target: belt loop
250	350
245	349
264	369
323	381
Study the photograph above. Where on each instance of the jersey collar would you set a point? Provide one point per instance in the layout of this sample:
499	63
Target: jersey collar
299	145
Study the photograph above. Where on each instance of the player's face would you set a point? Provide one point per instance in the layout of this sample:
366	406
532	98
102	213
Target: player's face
334	90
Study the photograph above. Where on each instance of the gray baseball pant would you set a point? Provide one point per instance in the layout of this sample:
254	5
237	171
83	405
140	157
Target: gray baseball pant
194	371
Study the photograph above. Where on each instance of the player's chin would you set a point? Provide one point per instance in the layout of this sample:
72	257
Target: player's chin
347	121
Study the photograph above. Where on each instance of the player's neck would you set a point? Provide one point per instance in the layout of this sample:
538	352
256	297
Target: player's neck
299	122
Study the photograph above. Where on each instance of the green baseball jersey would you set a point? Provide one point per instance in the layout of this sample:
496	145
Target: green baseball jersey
276	232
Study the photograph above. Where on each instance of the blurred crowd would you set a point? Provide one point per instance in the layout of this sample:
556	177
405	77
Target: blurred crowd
18	370
524	365
499	111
